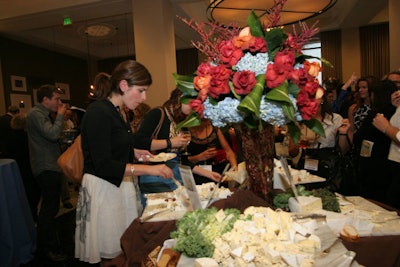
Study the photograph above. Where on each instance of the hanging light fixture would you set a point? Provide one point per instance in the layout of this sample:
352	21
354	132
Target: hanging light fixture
226	12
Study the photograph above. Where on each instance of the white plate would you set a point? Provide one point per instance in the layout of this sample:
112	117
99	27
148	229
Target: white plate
162	157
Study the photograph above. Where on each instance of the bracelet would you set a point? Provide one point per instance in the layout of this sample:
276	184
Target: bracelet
169	144
398	136
132	169
384	130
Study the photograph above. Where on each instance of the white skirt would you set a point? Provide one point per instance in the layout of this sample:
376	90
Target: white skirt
103	213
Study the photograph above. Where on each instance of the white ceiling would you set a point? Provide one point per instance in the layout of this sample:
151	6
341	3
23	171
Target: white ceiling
39	22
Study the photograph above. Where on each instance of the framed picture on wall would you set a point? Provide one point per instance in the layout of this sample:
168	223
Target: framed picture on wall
64	88
23	101
18	83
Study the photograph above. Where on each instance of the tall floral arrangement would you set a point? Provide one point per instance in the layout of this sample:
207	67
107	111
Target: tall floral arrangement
253	75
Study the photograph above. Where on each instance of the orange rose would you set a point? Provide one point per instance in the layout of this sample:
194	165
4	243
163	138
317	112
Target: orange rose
313	68
202	82
244	39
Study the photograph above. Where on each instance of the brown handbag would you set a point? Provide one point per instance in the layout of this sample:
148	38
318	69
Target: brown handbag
71	161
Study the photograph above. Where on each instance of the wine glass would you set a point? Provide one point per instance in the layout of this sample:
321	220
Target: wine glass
188	136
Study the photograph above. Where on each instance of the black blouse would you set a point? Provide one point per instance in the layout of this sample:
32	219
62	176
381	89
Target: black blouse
149	124
107	142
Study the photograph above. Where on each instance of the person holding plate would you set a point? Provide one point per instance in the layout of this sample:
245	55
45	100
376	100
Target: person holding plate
166	140
108	198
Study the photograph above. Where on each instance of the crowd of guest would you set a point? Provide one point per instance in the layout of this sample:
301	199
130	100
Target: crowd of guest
360	117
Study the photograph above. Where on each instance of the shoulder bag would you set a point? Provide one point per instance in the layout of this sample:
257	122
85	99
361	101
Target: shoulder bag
71	161
157	129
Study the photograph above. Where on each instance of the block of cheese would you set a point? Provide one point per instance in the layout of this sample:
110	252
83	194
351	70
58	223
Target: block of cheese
205	262
307	204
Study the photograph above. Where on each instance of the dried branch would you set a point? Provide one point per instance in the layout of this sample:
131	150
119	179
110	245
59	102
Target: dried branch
211	35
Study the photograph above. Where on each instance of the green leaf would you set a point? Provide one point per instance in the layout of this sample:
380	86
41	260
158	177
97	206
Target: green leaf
233	91
279	93
294	132
301	57
274	37
192	120
251	122
185	84
326	62
185	99
293	89
288	110
255	25
251	103
316	126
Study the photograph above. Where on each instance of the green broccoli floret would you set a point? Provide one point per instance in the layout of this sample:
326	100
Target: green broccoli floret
196	230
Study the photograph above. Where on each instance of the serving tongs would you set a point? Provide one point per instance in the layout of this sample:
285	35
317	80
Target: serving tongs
217	186
289	176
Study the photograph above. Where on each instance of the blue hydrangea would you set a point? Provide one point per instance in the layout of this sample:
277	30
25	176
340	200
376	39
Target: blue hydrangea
273	114
256	63
224	113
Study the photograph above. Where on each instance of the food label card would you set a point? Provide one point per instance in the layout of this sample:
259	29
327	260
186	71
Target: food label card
190	185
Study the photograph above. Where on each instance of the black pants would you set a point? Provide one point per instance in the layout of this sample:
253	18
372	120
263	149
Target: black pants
50	185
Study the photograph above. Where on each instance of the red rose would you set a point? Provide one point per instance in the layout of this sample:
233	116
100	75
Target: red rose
311	87
273	77
244	82
308	107
284	61
197	106
229	53
299	77
204	69
258	45
219	84
218	88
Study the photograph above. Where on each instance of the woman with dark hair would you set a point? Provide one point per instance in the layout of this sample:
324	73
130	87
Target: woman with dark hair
359	110
168	139
372	145
109	197
309	151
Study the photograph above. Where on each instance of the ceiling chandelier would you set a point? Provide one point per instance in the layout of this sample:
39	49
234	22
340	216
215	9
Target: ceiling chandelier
226	12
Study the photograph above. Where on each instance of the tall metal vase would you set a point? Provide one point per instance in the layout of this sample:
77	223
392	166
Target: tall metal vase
258	151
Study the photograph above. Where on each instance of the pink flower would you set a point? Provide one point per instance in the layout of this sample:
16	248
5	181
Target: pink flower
230	54
244	82
219	84
197	106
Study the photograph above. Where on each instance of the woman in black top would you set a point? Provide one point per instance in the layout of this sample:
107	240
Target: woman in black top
109	198
168	139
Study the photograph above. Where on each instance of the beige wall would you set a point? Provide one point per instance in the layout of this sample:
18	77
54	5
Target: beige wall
155	46
350	53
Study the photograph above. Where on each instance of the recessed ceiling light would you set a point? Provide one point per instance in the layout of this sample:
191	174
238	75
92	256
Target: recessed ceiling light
100	30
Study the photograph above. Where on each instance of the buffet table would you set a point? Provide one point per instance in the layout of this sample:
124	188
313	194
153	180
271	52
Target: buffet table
17	229
141	238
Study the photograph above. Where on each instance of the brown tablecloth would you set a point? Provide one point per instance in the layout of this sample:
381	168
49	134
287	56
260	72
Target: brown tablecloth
141	238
